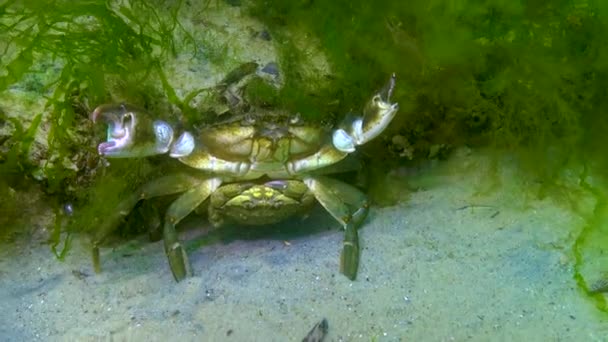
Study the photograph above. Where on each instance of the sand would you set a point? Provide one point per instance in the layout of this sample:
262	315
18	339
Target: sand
469	252
463	256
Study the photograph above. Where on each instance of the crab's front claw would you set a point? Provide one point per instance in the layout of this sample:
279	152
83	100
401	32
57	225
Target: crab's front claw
378	113
131	132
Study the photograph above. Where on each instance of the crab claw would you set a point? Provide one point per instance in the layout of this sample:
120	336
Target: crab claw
378	113
131	132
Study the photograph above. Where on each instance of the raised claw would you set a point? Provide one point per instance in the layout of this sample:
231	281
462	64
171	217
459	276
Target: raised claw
131	132
378	113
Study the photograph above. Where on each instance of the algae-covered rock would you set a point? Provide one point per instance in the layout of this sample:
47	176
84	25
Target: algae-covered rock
526	77
167	60
170	60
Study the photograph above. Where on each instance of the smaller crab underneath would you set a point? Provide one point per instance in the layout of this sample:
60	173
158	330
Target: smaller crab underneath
256	169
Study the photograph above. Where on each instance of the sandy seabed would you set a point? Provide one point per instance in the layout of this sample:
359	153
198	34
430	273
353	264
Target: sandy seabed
464	256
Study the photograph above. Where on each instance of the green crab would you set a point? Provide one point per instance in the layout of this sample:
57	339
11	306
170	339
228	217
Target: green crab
258	168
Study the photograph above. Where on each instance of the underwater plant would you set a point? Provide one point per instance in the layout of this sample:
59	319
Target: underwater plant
524	77
506	74
73	55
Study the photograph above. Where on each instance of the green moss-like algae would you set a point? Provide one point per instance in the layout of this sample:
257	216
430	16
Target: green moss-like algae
508	73
529	78
90	48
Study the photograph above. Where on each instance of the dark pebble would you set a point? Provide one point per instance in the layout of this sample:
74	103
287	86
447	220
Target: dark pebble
271	68
265	35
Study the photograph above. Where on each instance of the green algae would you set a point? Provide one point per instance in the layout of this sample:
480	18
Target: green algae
590	269
496	72
525	77
529	77
78	55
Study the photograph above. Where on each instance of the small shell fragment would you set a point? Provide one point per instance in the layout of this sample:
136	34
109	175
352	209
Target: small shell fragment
318	332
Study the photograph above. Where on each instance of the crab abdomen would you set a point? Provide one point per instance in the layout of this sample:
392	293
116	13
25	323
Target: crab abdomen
259	204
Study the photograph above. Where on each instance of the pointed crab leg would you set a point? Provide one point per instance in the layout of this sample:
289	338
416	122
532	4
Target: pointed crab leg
348	206
166	185
180	208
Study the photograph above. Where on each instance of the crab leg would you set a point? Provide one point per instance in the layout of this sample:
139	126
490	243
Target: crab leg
166	185
180	208
348	206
